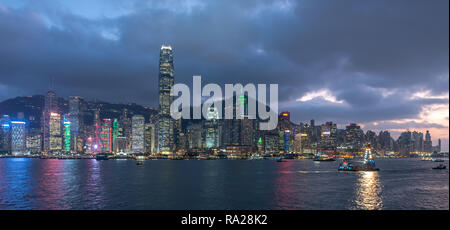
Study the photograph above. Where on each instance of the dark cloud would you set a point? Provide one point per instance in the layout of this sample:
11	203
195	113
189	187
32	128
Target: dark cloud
373	55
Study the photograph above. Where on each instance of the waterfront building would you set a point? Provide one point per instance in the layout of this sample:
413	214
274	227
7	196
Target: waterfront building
67	134
105	135
166	81
5	135
76	122
55	138
18	137
33	143
50	107
137	129
149	138
115	134
211	128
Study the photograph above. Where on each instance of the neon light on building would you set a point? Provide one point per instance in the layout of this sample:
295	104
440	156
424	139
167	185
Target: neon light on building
66	136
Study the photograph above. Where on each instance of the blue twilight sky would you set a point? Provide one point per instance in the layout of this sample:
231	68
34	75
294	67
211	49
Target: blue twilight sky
382	64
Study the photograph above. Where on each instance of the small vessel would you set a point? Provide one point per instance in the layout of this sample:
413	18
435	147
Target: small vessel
139	162
280	160
102	156
319	157
369	163
427	158
438	160
441	166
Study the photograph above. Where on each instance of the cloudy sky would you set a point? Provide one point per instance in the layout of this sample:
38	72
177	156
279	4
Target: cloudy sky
382	64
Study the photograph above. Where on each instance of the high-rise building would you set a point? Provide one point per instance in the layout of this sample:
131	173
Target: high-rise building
211	128
76	122
149	138
165	121
105	135
405	144
67	134
50	106
33	143
18	137
137	130
427	144
5	135
354	138
55	138
115	134
328	138
417	139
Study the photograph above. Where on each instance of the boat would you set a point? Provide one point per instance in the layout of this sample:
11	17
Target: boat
102	156
280	160
139	162
427	158
441	166
319	157
368	165
438	160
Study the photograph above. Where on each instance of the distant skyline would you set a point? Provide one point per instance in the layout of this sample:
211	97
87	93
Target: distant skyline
382	64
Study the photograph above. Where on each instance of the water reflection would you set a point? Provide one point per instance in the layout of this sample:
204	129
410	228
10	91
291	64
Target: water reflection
368	191
285	190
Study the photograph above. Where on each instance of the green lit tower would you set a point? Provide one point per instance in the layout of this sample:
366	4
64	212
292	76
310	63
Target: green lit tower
66	135
165	121
115	134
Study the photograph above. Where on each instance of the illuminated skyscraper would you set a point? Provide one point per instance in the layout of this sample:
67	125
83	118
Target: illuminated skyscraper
50	106
55	138
75	122
67	135
5	134
18	137
105	135
137	129
165	121
115	134
212	128
427	144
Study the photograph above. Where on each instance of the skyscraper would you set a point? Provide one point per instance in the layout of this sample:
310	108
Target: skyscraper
5	134
165	121
55	138
105	135
137	130
427	144
50	106
17	137
75	122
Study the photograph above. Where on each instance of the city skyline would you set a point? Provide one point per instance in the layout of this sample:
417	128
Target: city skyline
380	84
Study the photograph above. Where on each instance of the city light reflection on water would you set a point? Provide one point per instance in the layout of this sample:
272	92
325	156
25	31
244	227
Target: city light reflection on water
368	191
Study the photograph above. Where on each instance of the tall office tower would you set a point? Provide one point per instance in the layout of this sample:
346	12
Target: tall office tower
417	139
5	135
17	137
55	138
115	134
149	138
211	128
427	144
50	106
125	126
194	136
165	121
67	138
96	142
137	130
76	122
353	138
384	141
105	135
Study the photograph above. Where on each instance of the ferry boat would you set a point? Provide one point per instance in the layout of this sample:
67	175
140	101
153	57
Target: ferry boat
102	156
319	157
441	166
369	163
438	160
427	158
